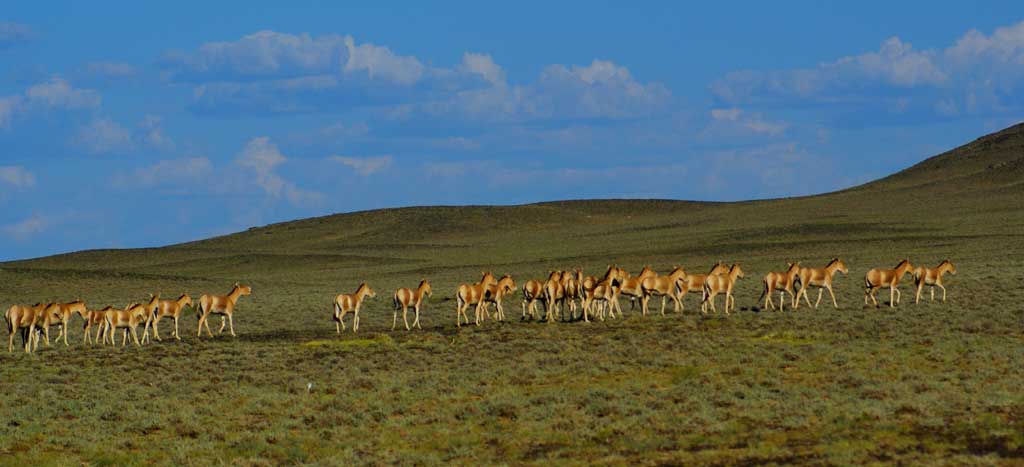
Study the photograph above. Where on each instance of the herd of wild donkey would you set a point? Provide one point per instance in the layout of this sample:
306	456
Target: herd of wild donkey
563	289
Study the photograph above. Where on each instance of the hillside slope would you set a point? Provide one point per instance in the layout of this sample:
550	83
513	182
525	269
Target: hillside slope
980	183
991	161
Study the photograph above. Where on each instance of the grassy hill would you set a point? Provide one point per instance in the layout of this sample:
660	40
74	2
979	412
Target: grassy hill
923	384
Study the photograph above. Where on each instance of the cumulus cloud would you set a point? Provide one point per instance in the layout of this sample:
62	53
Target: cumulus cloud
7	107
776	169
270	55
16	177
26	228
727	115
55	94
274	72
1005	47
601	90
13	34
262	55
344	130
364	166
108	70
261	157
483	65
977	73
104	136
379	62
734	118
457	143
166	172
150	133
896	64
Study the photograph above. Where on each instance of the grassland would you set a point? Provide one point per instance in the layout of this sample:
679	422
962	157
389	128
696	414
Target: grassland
932	383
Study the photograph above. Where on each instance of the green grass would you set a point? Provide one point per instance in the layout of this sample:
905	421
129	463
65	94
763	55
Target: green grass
925	384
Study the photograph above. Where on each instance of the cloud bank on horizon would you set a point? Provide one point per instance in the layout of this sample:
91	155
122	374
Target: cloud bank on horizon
175	141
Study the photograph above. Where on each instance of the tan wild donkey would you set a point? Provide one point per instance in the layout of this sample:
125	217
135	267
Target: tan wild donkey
404	298
350	303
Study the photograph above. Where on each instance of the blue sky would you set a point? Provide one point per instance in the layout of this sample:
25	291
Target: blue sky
129	125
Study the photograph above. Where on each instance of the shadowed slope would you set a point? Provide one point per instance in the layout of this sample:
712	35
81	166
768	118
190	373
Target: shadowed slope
992	161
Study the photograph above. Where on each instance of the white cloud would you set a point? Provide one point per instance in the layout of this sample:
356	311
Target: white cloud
895	63
1005	46
114	70
978	73
457	143
364	166
725	121
264	54
483	65
271	55
261	156
17	177
104	136
26	228
284	73
57	93
54	94
769	170
151	133
765	127
7	107
730	115
601	90
378	61
344	130
14	33
166	172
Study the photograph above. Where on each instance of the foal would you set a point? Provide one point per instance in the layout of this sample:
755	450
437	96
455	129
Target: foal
781	281
345	303
933	278
495	293
404	298
94	318
721	283
172	308
471	294
62	317
533	290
